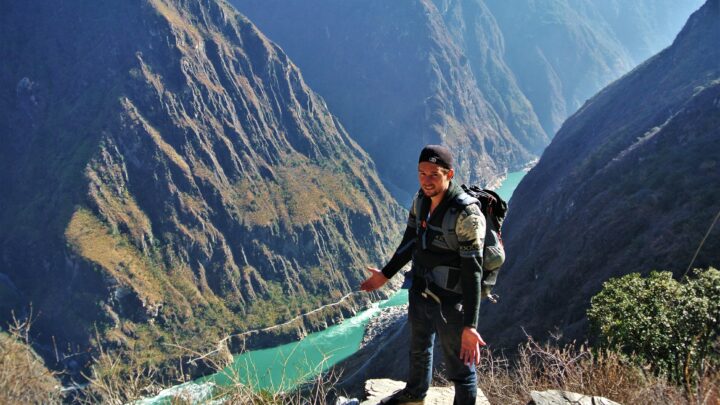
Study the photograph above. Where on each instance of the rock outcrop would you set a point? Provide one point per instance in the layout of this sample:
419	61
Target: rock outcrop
384	352
378	389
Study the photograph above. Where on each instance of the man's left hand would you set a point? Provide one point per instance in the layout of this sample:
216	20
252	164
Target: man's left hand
470	346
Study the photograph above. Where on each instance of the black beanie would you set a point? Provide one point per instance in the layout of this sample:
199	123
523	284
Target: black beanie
438	154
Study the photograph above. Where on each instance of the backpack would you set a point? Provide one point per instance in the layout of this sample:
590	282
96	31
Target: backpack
495	209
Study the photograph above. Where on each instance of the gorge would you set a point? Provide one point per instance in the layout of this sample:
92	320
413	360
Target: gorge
172	173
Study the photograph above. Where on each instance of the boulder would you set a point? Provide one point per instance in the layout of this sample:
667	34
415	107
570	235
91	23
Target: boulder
557	397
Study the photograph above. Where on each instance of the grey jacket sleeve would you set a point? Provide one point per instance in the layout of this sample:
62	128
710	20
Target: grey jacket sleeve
470	229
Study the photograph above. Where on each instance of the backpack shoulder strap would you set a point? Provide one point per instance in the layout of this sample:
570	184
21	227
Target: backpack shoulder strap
416	208
460	202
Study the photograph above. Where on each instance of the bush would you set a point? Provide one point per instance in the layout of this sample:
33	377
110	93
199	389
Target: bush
669	325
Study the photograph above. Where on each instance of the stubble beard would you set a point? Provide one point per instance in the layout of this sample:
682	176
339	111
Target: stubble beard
431	193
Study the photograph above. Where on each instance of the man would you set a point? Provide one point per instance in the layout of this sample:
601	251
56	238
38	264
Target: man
433	309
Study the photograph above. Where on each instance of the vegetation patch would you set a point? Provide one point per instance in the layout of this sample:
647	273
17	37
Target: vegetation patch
92	240
671	326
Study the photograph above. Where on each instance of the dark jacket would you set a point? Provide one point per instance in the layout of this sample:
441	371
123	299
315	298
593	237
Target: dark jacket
423	242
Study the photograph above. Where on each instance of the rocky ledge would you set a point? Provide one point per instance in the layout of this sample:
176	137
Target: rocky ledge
379	389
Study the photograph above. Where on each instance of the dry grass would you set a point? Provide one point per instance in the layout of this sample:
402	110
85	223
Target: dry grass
117	379
314	392
24	379
579	369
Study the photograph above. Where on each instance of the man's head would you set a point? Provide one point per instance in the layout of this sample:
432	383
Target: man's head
435	170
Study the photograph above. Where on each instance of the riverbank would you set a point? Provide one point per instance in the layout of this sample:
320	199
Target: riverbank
300	326
281	368
386	337
387	319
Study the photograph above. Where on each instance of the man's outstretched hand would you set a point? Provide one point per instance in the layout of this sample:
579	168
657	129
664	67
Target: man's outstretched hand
470	346
375	281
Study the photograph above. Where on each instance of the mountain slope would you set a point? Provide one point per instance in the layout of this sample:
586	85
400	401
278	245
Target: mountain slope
167	175
474	29
646	26
563	52
394	75
629	184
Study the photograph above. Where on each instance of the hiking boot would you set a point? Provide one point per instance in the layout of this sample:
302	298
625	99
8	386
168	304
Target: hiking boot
402	397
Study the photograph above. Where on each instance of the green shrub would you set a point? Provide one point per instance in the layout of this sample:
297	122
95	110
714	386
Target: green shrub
671	326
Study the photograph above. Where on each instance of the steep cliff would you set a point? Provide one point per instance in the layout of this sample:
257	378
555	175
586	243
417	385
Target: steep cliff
474	29
629	184
396	78
169	178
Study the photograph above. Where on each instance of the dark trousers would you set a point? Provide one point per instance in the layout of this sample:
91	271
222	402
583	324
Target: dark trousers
428	318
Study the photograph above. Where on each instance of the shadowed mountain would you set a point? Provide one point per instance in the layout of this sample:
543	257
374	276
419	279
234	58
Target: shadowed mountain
394	74
646	26
474	29
168	176
563	52
629	184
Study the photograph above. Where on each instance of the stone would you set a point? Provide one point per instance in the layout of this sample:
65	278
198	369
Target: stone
377	389
557	397
346	401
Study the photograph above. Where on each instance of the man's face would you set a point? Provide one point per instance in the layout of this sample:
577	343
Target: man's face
434	179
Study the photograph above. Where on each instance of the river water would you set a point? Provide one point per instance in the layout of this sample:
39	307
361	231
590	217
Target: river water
283	367
508	186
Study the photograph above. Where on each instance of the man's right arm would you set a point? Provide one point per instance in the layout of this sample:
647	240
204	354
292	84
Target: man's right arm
404	251
402	254
400	258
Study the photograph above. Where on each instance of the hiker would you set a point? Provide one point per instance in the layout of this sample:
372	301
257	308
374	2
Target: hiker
435	310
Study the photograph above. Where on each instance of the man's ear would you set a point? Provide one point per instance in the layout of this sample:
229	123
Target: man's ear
450	174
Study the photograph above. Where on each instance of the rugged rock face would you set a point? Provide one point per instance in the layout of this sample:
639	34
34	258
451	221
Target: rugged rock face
629	184
168	176
397	79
